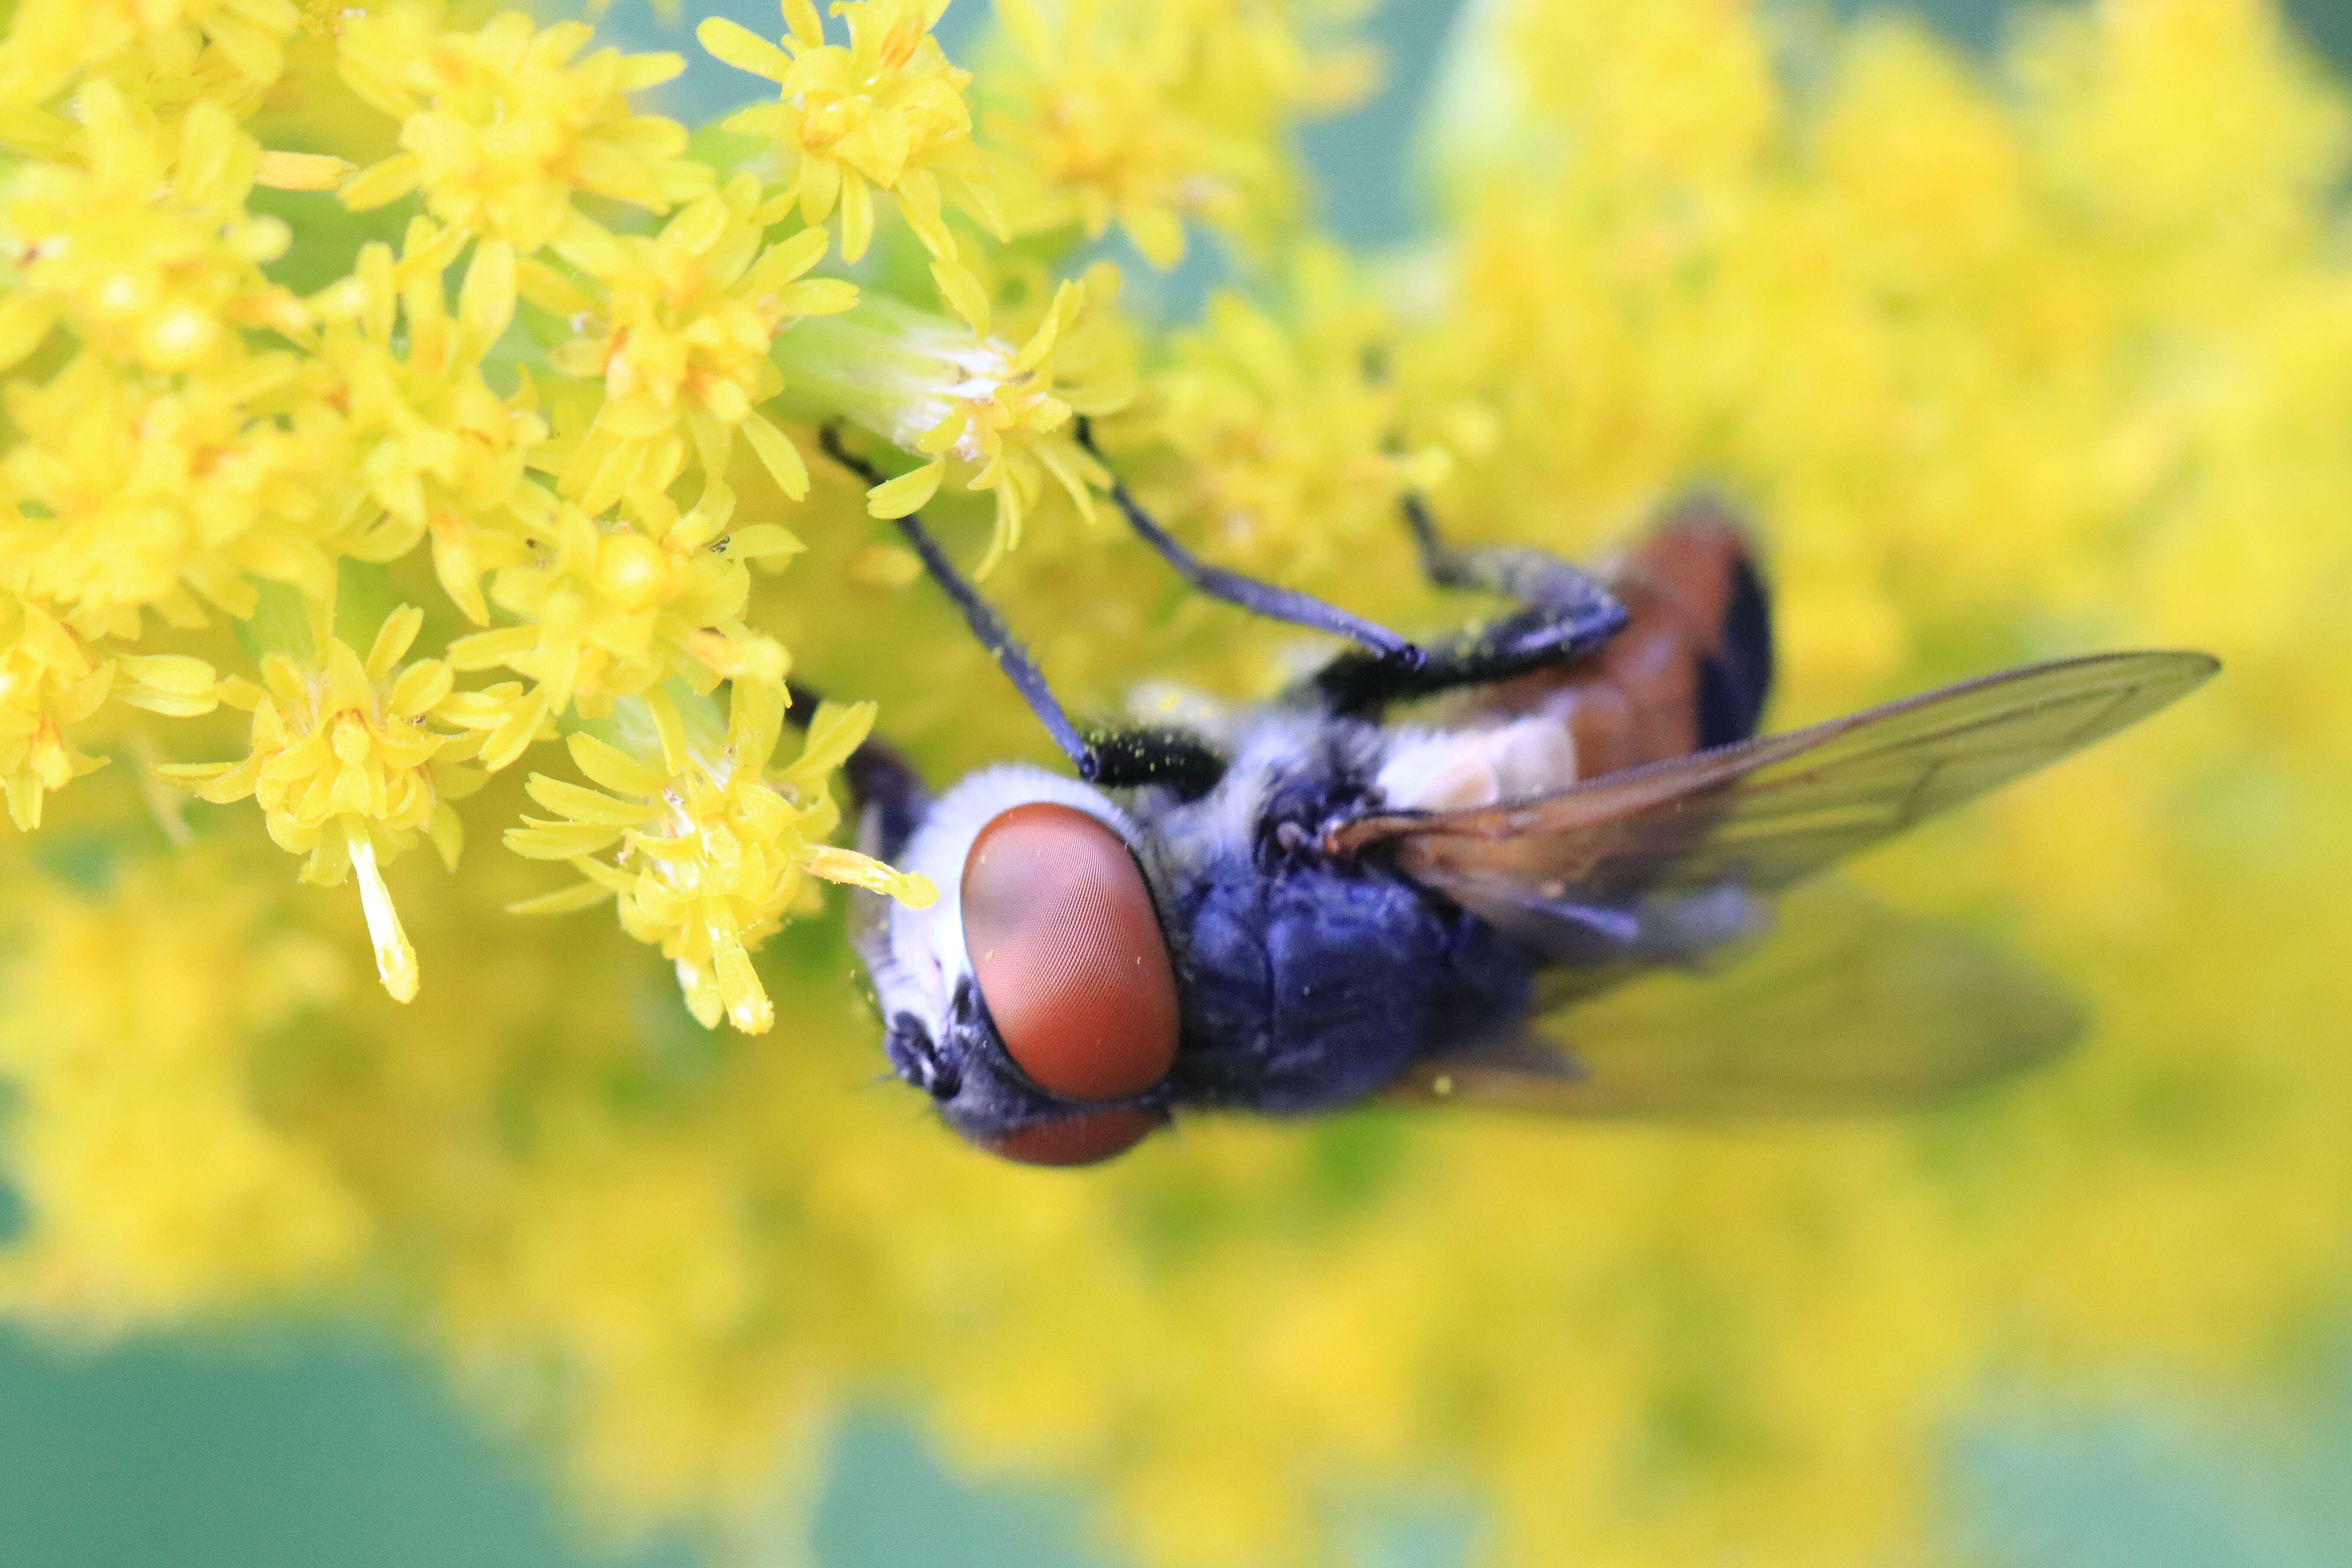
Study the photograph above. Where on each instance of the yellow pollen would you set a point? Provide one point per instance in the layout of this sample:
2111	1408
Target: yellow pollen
181	336
350	738
632	569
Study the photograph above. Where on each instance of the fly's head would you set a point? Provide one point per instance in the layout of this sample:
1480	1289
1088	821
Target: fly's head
1036	1002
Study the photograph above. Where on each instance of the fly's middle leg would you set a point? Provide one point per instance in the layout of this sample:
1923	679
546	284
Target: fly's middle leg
1565	613
1376	642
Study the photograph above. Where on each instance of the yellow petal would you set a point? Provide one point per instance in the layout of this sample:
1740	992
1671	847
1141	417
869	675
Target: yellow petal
486	302
563	901
762	541
559	841
171	684
856	216
912	889
393	639
581	803
302	171
778	456
447	834
731	43
962	292
907	493
379	183
748	1007
613	768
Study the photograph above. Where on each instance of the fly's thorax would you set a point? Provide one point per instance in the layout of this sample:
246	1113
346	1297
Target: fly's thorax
1293	772
1309	981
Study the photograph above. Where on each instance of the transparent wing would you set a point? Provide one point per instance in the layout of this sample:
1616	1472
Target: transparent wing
1843	1006
1766	814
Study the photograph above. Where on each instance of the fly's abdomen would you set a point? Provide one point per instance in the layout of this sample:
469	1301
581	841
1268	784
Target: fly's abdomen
1691	669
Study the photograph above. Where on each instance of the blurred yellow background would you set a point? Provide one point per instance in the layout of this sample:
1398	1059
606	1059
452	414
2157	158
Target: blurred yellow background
2018	340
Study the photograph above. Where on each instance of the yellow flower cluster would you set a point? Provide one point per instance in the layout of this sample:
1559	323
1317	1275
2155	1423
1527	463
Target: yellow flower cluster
696	877
500	130
483	490
1278	436
886	112
539	390
187	435
1155	116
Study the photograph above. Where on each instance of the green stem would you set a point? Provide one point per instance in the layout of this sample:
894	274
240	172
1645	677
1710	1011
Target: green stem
281	623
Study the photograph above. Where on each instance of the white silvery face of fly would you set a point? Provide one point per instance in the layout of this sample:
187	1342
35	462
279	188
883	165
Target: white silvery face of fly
926	954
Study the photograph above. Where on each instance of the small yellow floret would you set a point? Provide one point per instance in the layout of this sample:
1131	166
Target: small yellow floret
885	113
125	493
347	770
715	850
141	246
48	680
607	611
432	448
500	128
680	342
995	415
1008	419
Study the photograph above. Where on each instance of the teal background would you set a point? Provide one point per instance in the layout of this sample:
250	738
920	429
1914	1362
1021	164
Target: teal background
307	1446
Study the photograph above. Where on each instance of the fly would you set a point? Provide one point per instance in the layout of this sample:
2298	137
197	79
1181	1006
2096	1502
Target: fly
1292	907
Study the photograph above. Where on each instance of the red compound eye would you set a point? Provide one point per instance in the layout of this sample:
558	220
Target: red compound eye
1068	955
1086	1139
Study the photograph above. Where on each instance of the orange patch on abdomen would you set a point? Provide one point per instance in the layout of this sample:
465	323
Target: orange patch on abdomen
1638	700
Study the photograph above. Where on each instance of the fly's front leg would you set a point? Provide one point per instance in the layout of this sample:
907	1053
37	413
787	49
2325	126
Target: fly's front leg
1381	645
1565	613
1114	759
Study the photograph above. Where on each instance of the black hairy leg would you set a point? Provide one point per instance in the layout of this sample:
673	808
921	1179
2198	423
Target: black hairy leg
1565	613
1269	600
1113	758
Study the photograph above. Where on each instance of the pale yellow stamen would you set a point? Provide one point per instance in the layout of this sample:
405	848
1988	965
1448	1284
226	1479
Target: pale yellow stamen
396	960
